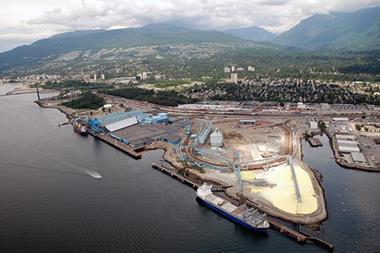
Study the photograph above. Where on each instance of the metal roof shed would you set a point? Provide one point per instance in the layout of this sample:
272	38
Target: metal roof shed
347	143
358	157
348	149
121	124
345	137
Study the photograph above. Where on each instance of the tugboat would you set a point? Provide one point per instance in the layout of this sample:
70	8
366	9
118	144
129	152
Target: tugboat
243	215
79	128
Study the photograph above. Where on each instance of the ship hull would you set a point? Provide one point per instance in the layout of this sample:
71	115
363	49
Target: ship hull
84	133
230	217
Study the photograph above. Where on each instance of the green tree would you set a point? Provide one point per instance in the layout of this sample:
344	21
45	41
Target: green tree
322	125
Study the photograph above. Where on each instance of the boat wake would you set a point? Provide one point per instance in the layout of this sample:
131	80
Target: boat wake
88	172
83	171
22	165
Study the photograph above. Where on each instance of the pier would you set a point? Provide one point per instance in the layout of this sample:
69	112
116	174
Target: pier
175	175
299	236
117	144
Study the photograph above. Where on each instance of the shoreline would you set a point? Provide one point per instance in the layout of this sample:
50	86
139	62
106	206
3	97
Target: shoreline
318	216
63	109
340	162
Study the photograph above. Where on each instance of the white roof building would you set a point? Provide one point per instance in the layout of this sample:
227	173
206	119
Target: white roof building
348	149
113	127
345	137
301	105
345	146
313	124
347	142
234	78
216	138
340	119
358	157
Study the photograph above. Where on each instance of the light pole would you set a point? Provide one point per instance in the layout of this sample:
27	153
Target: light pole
38	92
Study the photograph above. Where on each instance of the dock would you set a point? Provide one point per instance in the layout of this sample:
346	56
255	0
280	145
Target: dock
299	236
175	175
117	144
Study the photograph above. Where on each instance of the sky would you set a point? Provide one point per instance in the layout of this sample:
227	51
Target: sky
25	21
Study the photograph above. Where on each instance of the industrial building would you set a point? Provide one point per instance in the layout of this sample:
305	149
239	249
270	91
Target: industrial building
216	138
345	137
135	128
313	125
161	118
118	116
142	118
340	119
204	133
121	124
358	157
247	122
345	146
211	107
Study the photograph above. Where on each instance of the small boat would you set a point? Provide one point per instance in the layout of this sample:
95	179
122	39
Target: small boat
243	215
94	174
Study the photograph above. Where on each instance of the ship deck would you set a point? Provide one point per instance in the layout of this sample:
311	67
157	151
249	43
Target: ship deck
221	203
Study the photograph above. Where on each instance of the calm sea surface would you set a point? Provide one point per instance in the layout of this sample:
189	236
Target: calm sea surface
50	203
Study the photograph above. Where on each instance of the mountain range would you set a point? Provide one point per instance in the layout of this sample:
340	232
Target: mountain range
355	31
96	40
253	33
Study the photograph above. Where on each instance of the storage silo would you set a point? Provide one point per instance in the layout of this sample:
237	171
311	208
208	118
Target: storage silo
216	138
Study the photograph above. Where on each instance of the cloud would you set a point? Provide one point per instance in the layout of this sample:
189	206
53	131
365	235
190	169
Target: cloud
274	15
274	2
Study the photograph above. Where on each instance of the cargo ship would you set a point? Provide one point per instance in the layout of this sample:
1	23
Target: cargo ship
79	128
243	215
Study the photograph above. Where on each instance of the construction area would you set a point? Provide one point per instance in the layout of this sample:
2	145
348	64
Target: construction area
260	160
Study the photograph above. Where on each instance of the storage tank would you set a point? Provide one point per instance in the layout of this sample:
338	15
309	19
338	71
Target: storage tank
216	138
